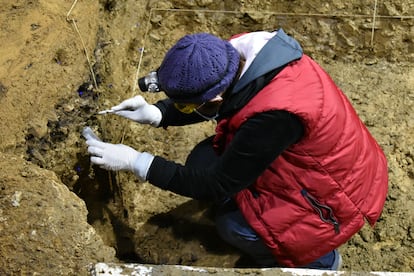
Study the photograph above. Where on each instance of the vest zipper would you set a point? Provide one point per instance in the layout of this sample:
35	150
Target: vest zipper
324	211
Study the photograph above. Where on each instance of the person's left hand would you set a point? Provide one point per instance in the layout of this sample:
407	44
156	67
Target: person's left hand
116	156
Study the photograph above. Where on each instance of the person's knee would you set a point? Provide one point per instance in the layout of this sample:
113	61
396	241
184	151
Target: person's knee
202	155
232	228
224	228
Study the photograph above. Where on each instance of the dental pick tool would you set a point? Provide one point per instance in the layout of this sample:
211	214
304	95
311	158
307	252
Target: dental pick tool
106	111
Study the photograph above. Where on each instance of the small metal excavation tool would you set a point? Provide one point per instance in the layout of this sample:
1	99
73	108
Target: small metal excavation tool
106	111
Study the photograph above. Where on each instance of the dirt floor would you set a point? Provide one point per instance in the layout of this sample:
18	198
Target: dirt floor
62	61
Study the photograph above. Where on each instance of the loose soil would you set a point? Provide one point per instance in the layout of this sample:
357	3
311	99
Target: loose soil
59	66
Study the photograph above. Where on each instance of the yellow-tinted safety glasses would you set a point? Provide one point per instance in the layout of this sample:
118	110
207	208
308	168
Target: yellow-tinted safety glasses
187	108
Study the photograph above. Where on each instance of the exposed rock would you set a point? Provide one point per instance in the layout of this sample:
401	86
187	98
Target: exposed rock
43	225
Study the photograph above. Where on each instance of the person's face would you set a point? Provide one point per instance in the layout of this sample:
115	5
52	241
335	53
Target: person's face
207	110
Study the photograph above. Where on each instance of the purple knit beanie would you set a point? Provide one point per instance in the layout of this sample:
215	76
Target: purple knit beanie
198	68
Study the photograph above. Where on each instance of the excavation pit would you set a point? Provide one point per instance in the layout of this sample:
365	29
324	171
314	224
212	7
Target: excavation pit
49	91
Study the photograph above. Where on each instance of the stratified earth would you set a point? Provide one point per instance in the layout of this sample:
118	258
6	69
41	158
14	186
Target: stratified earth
63	61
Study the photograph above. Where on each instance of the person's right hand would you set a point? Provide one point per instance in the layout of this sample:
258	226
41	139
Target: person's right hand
138	110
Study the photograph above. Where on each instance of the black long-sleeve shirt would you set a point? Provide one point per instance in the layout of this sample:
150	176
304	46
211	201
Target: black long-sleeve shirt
255	145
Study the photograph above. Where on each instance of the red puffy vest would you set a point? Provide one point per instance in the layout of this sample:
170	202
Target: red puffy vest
319	191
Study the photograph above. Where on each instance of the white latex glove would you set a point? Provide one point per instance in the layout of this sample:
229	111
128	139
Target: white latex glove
138	110
117	157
